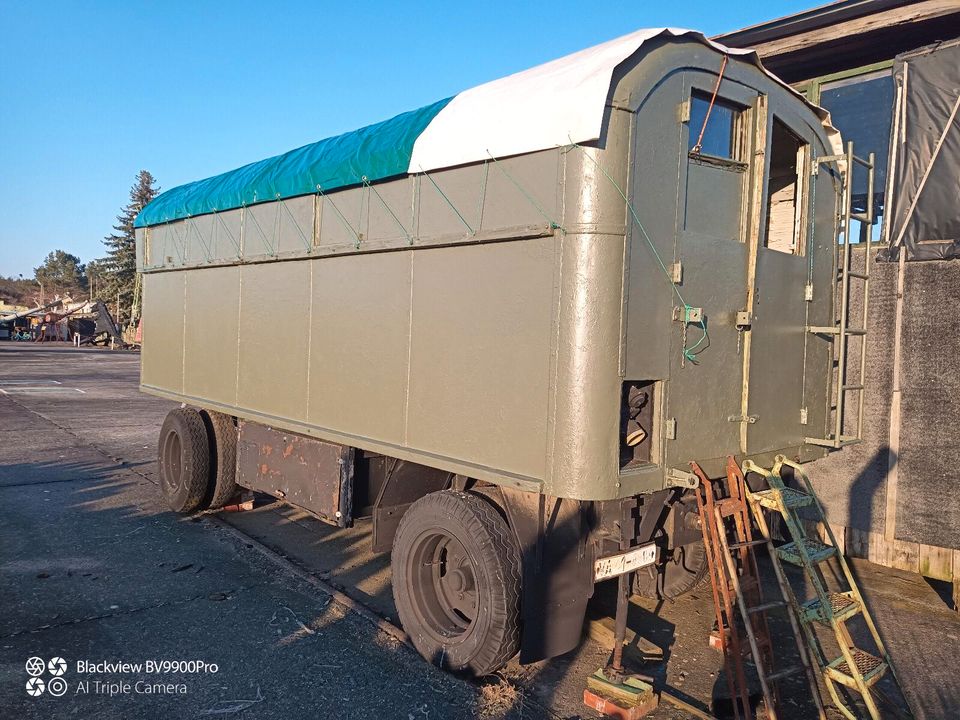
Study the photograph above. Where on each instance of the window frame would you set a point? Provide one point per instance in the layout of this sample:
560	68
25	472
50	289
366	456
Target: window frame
811	89
801	202
737	140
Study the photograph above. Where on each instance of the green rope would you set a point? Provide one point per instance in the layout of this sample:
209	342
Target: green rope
444	196
386	207
346	225
229	234
553	224
688	352
307	244
263	235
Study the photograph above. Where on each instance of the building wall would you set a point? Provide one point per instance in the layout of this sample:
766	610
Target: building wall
889	499
900	508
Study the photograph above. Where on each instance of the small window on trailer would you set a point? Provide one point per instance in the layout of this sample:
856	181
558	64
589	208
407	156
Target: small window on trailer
785	192
716	130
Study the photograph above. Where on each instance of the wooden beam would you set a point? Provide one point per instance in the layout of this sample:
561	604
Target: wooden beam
936	562
912	13
893	438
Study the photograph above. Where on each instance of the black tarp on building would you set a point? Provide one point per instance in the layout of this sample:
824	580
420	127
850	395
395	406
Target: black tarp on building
925	154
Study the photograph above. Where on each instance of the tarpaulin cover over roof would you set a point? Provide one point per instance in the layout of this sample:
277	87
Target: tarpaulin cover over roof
547	106
377	151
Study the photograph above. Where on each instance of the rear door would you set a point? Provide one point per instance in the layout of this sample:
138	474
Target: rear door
715	179
780	290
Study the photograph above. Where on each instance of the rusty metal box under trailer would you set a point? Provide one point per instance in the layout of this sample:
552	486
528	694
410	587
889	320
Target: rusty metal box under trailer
485	319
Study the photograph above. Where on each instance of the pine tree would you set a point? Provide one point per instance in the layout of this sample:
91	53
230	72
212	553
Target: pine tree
61	273
120	265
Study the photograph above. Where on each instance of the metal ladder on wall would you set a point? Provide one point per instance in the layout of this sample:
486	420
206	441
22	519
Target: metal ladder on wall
734	576
842	329
855	668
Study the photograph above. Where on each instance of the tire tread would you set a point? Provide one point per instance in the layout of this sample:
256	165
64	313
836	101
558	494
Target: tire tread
195	458
499	551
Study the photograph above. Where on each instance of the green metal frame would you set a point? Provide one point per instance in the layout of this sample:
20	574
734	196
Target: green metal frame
842	330
828	608
811	88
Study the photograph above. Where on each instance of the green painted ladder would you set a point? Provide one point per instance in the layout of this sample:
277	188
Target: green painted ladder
855	668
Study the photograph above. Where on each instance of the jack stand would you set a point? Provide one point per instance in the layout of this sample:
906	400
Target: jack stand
611	690
240	502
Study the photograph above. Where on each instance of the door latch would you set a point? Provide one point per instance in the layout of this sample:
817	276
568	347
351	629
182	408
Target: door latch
687	314
744	319
743	418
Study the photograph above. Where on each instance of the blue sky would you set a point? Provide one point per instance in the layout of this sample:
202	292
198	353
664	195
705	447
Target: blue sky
90	93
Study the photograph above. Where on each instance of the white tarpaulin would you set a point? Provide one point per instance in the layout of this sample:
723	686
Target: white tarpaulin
544	107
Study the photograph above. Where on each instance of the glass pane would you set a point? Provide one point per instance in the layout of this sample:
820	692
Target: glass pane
862	109
719	139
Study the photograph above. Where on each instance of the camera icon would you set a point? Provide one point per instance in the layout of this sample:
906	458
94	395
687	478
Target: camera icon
57	666
35	687
35	666
57	687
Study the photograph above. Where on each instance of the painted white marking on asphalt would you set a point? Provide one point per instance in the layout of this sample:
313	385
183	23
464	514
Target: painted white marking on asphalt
30	382
48	389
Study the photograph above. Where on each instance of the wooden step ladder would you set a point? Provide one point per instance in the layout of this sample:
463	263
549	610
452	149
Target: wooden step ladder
735	579
854	668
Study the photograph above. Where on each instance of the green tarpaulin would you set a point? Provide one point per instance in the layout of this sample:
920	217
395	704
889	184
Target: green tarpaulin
376	152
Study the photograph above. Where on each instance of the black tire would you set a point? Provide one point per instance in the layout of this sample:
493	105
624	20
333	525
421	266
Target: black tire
684	570
222	434
183	457
456	582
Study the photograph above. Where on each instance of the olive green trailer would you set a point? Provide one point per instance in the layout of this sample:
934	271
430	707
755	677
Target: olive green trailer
502	326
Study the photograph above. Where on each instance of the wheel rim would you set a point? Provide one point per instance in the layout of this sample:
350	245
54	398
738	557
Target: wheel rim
444	587
171	460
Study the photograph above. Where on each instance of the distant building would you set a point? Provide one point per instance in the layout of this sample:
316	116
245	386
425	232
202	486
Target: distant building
887	70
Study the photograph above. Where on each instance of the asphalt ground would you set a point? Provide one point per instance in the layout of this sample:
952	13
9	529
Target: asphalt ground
94	568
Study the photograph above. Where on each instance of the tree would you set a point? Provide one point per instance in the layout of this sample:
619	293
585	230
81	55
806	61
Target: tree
61	274
118	271
97	276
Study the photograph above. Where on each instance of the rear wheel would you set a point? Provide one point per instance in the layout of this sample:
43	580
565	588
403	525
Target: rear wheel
183	455
683	570
222	432
456	582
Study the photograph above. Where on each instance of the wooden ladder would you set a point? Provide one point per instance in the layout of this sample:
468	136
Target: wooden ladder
735	580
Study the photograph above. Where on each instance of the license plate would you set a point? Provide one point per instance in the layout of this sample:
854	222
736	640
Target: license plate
629	561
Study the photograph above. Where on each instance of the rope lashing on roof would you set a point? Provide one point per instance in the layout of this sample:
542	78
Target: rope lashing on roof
689	353
453	207
343	221
713	98
370	186
554	225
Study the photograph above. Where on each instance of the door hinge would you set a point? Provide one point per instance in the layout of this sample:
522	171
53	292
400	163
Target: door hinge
808	292
681	479
683	111
743	418
670	429
676	273
803	416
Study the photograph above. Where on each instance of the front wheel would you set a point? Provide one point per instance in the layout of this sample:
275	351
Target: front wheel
456	582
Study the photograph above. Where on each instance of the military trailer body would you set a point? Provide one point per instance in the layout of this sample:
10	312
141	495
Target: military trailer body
553	330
